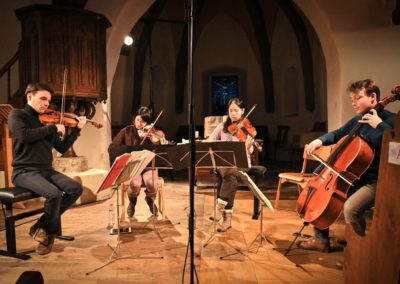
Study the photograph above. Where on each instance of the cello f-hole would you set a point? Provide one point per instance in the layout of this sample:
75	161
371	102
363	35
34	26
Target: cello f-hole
328	184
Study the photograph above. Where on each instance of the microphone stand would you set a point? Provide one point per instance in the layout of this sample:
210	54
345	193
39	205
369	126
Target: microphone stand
191	118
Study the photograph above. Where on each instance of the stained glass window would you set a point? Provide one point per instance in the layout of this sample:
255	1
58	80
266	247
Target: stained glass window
224	88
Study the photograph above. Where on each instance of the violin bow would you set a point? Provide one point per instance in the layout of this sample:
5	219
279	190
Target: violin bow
152	126
63	96
250	111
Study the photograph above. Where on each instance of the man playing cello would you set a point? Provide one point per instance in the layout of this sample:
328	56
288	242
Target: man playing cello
364	95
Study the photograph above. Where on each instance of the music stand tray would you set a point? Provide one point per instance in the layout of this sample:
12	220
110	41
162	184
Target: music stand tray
227	155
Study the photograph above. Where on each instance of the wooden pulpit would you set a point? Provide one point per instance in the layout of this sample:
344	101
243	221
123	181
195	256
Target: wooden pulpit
375	258
6	143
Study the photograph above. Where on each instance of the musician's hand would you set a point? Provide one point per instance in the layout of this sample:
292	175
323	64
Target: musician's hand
60	129
82	121
314	145
371	118
249	144
163	141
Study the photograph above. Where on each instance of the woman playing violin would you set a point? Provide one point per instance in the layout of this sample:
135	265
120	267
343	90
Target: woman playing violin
136	134
364	95
33	143
229	184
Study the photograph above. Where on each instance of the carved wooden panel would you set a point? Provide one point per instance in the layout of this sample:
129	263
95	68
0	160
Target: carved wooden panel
55	38
375	258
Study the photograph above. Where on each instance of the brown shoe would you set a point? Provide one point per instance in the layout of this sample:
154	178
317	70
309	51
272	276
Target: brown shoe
226	223
313	244
38	233
42	248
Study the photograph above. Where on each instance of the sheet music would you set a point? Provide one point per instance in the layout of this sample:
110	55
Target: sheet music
125	167
137	162
253	187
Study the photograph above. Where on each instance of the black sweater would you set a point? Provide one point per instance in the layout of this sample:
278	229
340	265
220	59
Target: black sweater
33	142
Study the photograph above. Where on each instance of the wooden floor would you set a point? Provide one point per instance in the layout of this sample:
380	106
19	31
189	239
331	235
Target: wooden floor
151	257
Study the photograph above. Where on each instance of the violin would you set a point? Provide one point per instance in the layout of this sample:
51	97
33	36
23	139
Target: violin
243	129
70	120
155	136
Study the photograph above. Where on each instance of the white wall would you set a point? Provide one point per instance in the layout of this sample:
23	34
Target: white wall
359	42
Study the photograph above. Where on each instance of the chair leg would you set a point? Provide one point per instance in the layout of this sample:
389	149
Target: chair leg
10	235
161	203
278	193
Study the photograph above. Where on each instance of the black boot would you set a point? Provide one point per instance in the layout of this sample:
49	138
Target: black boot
131	207
152	206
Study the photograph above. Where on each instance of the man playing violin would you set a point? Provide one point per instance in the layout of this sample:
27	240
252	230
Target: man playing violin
32	147
229	184
364	95
136	134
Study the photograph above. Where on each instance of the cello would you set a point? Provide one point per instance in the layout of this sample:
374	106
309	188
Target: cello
321	202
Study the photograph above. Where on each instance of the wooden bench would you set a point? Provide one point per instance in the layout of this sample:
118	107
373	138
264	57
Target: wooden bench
8	196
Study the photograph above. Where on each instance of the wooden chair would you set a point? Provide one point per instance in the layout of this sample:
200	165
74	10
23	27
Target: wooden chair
301	178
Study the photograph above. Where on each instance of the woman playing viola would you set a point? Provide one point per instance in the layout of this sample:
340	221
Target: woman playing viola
229	184
136	135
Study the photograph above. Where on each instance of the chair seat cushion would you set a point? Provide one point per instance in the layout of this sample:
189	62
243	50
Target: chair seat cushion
299	177
15	194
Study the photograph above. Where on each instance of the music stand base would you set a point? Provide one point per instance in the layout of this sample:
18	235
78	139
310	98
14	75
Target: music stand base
114	231
261	237
296	234
65	238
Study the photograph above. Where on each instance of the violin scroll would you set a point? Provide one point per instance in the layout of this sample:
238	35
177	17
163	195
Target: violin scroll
396	90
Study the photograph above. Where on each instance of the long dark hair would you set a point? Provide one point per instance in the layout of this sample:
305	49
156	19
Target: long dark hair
237	102
145	113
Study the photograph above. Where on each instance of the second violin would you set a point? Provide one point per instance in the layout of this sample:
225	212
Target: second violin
155	136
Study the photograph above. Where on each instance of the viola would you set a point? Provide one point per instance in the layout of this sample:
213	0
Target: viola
321	202
70	120
243	129
155	136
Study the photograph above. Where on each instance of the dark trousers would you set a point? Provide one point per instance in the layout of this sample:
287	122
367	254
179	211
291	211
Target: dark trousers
59	191
359	200
228	186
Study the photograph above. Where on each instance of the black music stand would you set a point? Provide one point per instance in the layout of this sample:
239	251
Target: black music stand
211	155
260	238
159	161
124	168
